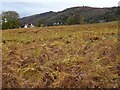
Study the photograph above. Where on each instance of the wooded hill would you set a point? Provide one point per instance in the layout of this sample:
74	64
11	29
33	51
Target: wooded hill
74	15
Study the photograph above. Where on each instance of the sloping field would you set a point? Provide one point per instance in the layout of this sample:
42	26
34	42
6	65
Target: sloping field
78	56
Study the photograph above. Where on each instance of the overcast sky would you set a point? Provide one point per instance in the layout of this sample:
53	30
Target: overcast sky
30	7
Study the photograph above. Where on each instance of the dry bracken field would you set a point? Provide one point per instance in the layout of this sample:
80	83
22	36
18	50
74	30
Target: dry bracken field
78	56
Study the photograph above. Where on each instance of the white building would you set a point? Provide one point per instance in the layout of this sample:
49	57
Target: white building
32	26
26	26
101	21
5	20
29	26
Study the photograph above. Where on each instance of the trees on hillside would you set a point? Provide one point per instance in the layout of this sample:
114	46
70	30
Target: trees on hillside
70	20
41	23
75	19
110	16
10	20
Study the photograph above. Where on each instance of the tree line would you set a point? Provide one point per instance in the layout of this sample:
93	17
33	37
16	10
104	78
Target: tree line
11	19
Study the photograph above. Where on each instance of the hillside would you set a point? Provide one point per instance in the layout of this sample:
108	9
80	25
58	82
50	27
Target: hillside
35	18
91	15
76	56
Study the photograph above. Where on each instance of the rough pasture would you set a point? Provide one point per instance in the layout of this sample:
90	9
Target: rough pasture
78	56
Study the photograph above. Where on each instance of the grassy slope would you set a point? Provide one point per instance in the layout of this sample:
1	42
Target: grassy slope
61	56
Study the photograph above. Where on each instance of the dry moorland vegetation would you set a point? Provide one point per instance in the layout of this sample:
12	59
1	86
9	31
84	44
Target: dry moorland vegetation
77	56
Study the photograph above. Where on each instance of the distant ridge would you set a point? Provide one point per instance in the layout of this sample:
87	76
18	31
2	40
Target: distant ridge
91	15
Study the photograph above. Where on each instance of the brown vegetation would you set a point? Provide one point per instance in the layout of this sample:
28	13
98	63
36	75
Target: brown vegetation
80	56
